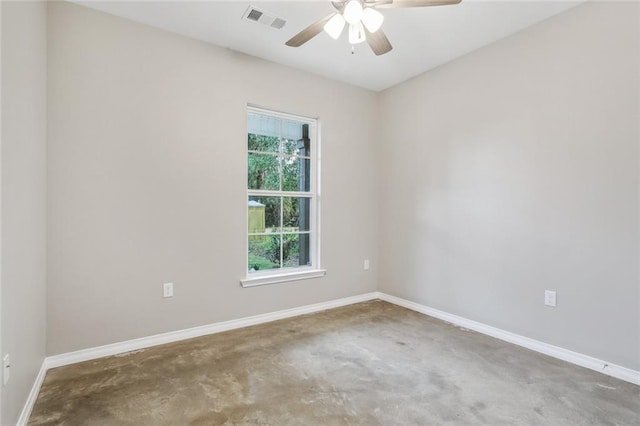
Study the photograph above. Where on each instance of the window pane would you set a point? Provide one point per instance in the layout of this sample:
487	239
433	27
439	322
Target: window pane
296	174
267	125
295	250
264	214
264	252
264	143
279	164
299	147
296	214
263	172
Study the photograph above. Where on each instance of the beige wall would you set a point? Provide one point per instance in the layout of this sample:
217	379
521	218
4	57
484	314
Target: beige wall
506	172
515	169
23	197
146	180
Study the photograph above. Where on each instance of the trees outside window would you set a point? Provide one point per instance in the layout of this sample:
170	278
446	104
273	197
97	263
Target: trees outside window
282	191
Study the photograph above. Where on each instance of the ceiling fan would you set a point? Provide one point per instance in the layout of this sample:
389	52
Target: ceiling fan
364	22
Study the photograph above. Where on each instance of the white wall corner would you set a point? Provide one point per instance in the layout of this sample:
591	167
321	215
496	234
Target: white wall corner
33	395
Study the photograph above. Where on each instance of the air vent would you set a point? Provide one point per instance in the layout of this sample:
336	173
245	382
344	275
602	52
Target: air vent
268	19
254	15
278	23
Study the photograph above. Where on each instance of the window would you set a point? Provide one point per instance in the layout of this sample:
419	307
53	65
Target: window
282	198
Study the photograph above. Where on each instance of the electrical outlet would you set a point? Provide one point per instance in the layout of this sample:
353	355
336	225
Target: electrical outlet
167	290
550	298
6	369
366	264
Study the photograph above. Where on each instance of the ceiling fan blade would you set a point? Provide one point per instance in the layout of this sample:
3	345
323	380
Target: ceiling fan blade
308	33
415	3
378	42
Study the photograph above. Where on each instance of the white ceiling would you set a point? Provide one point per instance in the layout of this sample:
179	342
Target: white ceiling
423	38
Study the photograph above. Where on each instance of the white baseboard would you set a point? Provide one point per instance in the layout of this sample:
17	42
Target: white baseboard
174	336
33	395
576	358
610	369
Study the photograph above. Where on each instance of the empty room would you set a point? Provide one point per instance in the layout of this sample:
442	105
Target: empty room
360	212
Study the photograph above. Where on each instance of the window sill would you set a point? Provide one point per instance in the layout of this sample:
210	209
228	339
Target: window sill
281	278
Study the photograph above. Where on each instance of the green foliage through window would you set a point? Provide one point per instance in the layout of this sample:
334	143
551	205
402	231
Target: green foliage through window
279	224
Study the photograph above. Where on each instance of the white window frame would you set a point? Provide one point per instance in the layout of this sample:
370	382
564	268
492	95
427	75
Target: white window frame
272	276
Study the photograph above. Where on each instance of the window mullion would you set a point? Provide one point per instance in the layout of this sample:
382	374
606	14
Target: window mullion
269	193
281	232
273	154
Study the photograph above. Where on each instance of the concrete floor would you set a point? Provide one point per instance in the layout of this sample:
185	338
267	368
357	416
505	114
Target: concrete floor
371	363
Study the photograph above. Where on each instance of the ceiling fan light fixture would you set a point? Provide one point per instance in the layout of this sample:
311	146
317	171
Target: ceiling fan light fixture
356	33
353	12
372	19
364	22
334	26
